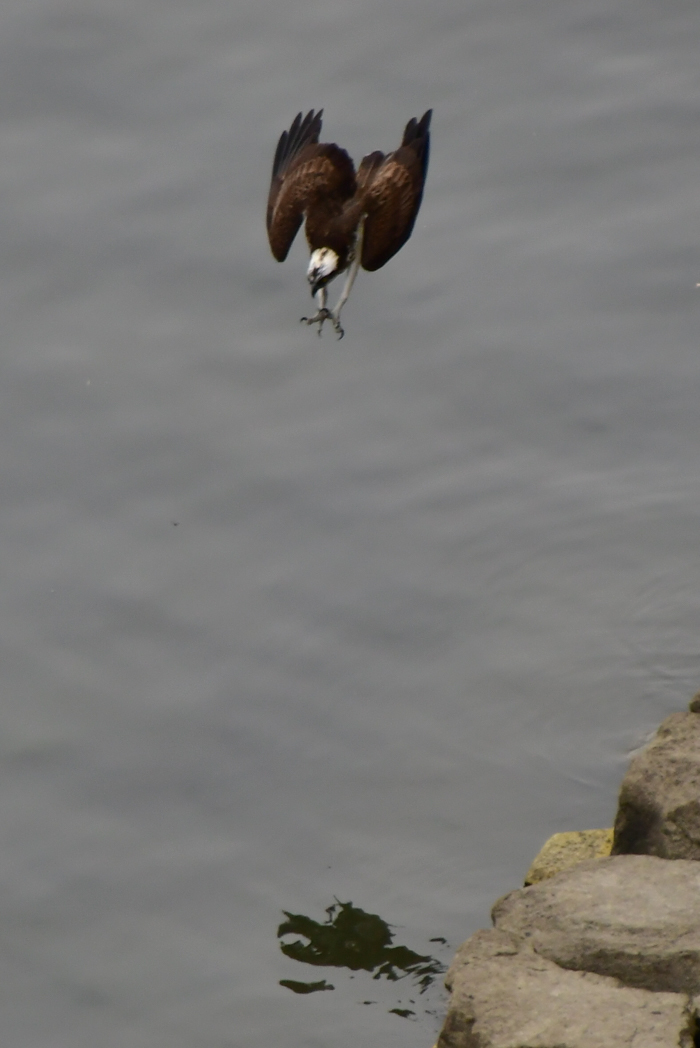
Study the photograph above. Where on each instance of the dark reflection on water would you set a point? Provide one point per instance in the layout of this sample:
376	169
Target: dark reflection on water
360	941
306	987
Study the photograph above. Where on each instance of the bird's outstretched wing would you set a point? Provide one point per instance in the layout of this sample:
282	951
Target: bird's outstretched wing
303	171
392	190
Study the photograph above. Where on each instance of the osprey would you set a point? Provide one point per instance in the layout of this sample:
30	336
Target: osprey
352	218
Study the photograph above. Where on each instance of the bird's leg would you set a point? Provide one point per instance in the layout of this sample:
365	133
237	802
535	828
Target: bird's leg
322	313
334	314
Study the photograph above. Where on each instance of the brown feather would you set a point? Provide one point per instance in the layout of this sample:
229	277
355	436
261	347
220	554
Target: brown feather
367	170
301	133
304	173
393	195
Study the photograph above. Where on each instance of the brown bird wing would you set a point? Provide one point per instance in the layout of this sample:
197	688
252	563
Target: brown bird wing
392	190
303	171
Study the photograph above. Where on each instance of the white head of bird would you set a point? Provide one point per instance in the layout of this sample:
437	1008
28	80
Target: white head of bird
323	266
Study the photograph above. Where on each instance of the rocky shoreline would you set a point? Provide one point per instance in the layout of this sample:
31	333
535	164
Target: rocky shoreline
604	951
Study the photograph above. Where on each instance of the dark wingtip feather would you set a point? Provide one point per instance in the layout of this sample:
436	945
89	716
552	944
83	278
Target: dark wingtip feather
424	123
417	135
417	129
301	133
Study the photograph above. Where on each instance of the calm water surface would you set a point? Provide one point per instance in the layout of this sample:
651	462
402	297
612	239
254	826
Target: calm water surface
286	620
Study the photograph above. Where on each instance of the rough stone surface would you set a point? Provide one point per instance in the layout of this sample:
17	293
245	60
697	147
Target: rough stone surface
659	807
505	996
563	850
606	951
633	917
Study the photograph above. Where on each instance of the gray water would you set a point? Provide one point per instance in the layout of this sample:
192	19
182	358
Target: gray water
284	619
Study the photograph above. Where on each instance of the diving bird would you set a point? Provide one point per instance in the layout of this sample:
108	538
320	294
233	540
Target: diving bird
353	218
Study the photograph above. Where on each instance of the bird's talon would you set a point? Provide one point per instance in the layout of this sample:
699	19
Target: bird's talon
319	318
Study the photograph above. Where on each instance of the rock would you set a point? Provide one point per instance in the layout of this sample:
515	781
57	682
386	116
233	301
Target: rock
632	917
506	996
599	952
659	806
563	850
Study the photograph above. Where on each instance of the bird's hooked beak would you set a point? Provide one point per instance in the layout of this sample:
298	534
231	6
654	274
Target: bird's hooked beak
317	282
323	266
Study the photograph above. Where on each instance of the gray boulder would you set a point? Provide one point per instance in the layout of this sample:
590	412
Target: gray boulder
659	807
632	917
506	996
